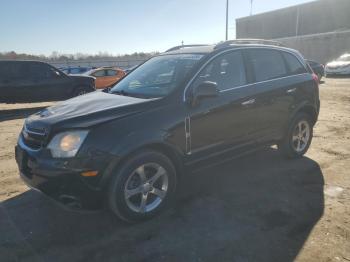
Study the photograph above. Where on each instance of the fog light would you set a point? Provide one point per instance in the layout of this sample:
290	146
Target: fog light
89	173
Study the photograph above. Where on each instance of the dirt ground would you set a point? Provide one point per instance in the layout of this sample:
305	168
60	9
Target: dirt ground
257	208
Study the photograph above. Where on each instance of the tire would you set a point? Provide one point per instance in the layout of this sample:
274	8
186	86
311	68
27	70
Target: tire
80	91
296	143
135	194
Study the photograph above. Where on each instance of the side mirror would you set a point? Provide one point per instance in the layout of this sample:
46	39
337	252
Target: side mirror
206	89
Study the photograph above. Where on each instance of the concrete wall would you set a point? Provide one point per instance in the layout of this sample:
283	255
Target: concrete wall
321	47
320	30
311	18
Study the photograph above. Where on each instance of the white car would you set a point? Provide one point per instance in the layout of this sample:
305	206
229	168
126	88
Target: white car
340	66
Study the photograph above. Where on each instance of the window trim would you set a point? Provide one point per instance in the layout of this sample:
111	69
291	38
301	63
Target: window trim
241	48
265	81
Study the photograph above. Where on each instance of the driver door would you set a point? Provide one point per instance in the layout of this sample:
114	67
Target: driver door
226	121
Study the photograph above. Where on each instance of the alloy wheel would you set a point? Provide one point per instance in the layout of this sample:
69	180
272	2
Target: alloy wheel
301	136
146	188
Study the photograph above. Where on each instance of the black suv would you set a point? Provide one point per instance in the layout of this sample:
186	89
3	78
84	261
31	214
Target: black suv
33	81
185	109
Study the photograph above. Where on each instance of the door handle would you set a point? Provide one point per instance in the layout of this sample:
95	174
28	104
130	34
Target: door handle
289	91
248	102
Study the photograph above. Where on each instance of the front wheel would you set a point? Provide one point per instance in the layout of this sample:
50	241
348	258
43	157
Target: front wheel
298	138
80	91
143	186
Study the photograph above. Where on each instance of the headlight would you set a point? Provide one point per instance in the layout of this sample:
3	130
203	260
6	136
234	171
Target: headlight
67	144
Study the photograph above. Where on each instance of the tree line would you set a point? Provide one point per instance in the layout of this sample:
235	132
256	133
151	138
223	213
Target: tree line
58	57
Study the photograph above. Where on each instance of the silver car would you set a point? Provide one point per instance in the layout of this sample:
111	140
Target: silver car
340	66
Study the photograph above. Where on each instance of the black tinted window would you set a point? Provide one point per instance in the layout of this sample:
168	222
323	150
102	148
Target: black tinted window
227	71
12	71
41	71
267	64
294	65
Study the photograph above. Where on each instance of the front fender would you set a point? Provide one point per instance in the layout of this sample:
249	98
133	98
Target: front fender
135	141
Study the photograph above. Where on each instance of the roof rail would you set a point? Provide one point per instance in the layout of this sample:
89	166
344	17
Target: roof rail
181	46
247	41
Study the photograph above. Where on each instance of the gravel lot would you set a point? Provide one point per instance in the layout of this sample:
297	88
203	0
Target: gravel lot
258	208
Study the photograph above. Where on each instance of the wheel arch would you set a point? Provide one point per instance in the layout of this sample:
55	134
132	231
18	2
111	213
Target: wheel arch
79	87
307	109
166	149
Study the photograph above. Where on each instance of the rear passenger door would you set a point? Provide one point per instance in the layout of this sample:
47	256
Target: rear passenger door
111	77
273	91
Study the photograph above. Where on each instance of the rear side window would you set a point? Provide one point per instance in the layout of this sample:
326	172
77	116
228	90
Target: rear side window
294	65
9	71
226	70
111	73
267	64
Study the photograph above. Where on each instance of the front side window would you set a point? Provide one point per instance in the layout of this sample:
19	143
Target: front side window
39	71
158	76
294	65
267	64
227	71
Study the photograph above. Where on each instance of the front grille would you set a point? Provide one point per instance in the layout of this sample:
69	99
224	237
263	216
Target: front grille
33	138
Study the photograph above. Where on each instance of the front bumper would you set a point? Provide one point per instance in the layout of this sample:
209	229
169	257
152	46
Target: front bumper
61	179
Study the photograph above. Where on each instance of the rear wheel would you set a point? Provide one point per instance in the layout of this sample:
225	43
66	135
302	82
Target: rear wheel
298	138
143	186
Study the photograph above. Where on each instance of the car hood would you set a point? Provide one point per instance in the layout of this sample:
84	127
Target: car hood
335	64
87	110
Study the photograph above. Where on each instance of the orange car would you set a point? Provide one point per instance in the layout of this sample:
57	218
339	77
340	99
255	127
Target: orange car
106	76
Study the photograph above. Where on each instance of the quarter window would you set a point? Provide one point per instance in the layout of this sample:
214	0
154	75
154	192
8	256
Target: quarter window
294	65
227	71
267	64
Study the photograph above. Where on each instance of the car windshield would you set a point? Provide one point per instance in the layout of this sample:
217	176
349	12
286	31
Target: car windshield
157	77
344	58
